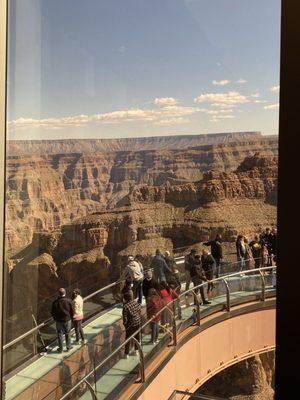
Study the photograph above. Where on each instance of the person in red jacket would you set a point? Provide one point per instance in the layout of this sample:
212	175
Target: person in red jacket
154	305
168	294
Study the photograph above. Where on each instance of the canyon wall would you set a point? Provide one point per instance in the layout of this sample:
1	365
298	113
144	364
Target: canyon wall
91	250
31	147
47	191
251	379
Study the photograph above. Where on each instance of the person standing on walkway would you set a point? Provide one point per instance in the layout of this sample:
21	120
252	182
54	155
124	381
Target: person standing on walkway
154	305
216	252
197	277
160	267
147	283
207	263
134	272
188	265
256	247
240	252
248	253
78	315
131	320
266	239
62	312
170	263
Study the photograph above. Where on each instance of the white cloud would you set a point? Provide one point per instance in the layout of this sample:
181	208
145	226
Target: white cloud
221	83
165	101
222	99
260	101
256	94
275	88
272	106
241	81
169	112
217	118
172	121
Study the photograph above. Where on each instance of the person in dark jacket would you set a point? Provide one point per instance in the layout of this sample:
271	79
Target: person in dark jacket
147	283
62	312
274	242
131	319
188	264
160	267
216	252
207	262
170	262
197	277
266	239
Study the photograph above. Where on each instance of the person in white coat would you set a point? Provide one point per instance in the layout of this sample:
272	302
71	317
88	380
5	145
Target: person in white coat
78	315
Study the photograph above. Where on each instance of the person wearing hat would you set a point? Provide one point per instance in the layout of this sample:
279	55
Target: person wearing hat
134	272
188	265
147	283
160	267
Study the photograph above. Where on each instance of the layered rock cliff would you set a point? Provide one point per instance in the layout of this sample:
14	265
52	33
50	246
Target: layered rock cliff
47	191
30	147
91	251
251	379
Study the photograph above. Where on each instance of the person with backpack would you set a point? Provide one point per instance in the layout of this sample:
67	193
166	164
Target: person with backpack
216	252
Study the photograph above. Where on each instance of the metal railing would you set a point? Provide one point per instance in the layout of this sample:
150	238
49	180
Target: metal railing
194	396
50	320
170	307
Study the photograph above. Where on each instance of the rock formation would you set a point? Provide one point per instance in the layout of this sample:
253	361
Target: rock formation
66	146
251	379
46	191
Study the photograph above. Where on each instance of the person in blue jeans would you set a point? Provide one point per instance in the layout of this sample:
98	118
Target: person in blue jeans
63	312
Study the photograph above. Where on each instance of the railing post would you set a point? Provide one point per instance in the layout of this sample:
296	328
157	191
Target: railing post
227	294
174	327
92	391
263	286
142	361
197	308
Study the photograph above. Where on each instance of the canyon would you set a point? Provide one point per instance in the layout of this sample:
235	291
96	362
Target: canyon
72	219
46	191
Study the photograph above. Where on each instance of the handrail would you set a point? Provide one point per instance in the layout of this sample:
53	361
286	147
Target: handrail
148	321
51	320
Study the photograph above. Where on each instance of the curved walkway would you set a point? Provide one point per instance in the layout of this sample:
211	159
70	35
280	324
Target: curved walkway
54	374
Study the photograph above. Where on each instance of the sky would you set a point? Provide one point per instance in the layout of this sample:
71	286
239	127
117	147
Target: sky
133	68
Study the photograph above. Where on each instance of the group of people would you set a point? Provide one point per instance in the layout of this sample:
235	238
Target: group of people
160	283
67	312
262	250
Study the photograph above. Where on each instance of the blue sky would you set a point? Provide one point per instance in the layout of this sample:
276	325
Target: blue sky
124	68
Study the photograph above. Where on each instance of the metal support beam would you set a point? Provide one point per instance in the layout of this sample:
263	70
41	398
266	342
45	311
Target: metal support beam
3	52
